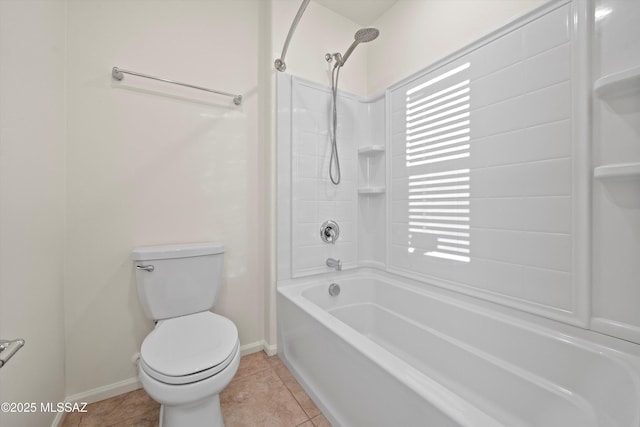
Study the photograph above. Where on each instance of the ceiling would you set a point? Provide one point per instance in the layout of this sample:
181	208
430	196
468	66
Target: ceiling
363	12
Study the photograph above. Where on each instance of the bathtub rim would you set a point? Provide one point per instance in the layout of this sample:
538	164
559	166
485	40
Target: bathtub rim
530	321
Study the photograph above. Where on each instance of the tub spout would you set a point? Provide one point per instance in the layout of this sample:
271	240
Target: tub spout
334	263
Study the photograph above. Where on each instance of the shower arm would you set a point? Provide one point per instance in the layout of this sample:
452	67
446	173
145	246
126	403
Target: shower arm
279	63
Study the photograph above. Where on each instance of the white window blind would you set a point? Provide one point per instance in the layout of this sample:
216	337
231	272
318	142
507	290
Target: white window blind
437	141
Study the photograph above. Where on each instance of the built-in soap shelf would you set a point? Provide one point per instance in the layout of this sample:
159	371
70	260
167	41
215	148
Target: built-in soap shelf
620	83
371	164
619	171
371	150
371	191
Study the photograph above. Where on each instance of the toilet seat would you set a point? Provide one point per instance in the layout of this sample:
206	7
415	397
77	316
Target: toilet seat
189	348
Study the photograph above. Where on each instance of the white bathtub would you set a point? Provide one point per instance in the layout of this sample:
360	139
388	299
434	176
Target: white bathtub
388	352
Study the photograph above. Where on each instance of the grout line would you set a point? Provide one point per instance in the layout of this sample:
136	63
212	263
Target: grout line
288	389
317	416
295	400
309	418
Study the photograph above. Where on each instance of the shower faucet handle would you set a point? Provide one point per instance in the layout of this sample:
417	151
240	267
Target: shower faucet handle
329	231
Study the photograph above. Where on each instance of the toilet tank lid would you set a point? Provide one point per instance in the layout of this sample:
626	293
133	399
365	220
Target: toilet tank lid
144	253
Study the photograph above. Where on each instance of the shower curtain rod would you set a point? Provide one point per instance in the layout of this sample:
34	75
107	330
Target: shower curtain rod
118	74
279	63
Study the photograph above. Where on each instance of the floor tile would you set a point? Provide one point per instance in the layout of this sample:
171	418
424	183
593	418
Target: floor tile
72	419
294	387
149	419
117	410
251	364
260	400
320	421
263	393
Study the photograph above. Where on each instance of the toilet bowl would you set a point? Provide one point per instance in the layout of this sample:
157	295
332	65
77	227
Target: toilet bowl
185	363
192	354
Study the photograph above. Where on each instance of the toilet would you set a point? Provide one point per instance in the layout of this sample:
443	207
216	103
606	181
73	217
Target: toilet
192	354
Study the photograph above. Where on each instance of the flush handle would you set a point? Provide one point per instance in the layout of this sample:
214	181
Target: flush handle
148	268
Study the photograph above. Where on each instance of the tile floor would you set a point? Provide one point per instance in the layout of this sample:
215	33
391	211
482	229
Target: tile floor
262	394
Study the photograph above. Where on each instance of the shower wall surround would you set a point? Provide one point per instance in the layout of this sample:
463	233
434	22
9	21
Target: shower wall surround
480	181
305	161
476	174
372	212
486	158
616	153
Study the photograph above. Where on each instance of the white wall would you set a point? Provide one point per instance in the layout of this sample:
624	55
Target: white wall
32	134
413	35
320	31
150	163
416	33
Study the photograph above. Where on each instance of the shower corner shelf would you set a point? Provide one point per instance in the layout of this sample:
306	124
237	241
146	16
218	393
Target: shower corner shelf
614	84
371	191
371	150
619	171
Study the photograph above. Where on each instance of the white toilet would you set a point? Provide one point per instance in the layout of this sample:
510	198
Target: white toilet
192	354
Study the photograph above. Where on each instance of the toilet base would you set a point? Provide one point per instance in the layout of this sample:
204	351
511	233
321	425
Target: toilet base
193	404
203	413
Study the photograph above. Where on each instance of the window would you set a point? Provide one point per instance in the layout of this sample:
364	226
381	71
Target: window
437	139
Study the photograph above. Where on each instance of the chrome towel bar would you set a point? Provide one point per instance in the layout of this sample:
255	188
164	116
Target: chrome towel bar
118	74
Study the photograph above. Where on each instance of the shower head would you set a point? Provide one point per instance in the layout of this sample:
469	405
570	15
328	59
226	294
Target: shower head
363	35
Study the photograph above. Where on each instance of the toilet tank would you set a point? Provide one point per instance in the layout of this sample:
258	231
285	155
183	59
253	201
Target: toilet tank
176	280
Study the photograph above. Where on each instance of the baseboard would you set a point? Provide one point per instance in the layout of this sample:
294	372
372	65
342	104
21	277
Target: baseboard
270	349
98	394
257	346
107	391
57	421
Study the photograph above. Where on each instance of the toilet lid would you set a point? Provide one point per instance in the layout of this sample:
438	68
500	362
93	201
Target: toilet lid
189	344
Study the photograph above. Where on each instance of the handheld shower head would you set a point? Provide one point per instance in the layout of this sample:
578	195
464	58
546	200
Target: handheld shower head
363	35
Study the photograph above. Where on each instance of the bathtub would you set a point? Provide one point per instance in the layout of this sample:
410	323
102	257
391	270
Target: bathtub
393	352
